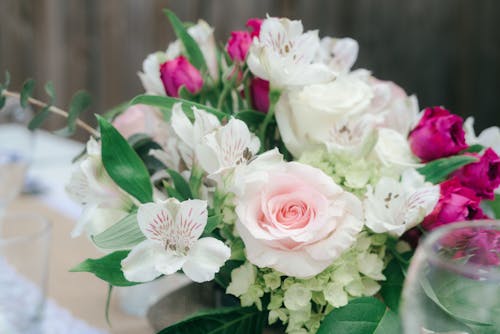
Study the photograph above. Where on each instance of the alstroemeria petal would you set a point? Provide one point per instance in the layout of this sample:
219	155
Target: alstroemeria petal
191	220
156	221
140	264
205	259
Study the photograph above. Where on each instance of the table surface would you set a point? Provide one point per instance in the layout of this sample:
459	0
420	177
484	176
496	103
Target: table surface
82	294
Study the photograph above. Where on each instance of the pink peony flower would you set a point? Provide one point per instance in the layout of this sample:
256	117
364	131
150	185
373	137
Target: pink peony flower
259	91
179	72
292	217
238	45
482	176
457	203
139	118
476	245
438	134
254	24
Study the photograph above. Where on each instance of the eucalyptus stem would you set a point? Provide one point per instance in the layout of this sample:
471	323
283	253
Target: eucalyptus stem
54	110
274	96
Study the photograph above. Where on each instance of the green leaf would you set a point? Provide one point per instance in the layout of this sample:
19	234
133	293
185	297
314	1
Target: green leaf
6	83
193	52
166	103
366	315
229	320
39	118
223	277
108	303
107	268
115	111
252	118
79	103
26	92
123	235
393	285
212	223
438	170
49	89
495	206
123	164
476	148
2	101
181	185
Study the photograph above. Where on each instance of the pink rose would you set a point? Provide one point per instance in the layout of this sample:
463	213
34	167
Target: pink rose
254	24
259	91
476	245
292	217
457	203
238	45
438	134
482	176
139	118
179	72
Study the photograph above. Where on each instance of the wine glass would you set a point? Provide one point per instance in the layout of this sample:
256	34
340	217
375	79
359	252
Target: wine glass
453	283
16	145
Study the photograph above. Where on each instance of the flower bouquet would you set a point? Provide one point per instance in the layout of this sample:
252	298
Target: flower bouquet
268	165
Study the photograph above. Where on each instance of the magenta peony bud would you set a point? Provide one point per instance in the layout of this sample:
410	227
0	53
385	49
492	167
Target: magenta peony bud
259	90
179	72
254	24
482	176
456	203
238	45
438	134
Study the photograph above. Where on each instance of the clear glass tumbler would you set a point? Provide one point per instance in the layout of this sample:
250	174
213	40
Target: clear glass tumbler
453	283
24	255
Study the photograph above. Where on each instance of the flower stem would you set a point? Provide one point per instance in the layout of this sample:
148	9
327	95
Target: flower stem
54	110
274	96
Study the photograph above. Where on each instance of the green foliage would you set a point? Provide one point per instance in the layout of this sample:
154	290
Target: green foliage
366	315
166	103
392	287
252	118
42	115
476	148
212	223
142	145
107	268
193	52
438	170
79	103
223	277
495	206
123	235
4	86
229	320
180	184
123	164
26	92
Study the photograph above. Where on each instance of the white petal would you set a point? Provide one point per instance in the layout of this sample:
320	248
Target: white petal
345	51
490	137
182	125
191	218
204	123
156	221
205	259
420	204
140	264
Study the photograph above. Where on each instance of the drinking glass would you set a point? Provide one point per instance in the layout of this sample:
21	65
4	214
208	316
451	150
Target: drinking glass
16	146
24	253
453	283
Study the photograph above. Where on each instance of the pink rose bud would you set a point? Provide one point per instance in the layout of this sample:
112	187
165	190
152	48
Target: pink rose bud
482	176
438	134
456	203
238	45
259	91
179	72
254	24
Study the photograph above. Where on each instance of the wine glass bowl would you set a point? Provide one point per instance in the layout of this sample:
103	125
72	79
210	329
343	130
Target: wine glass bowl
453	283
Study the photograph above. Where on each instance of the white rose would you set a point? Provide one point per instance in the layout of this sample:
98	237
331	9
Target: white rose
306	117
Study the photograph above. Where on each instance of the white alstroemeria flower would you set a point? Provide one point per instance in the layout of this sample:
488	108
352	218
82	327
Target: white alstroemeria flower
191	134
173	231
203	34
227	147
394	207
284	55
91	186
150	75
489	137
352	137
338	53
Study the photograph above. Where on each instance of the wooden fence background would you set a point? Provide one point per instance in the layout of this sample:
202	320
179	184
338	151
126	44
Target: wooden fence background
446	51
